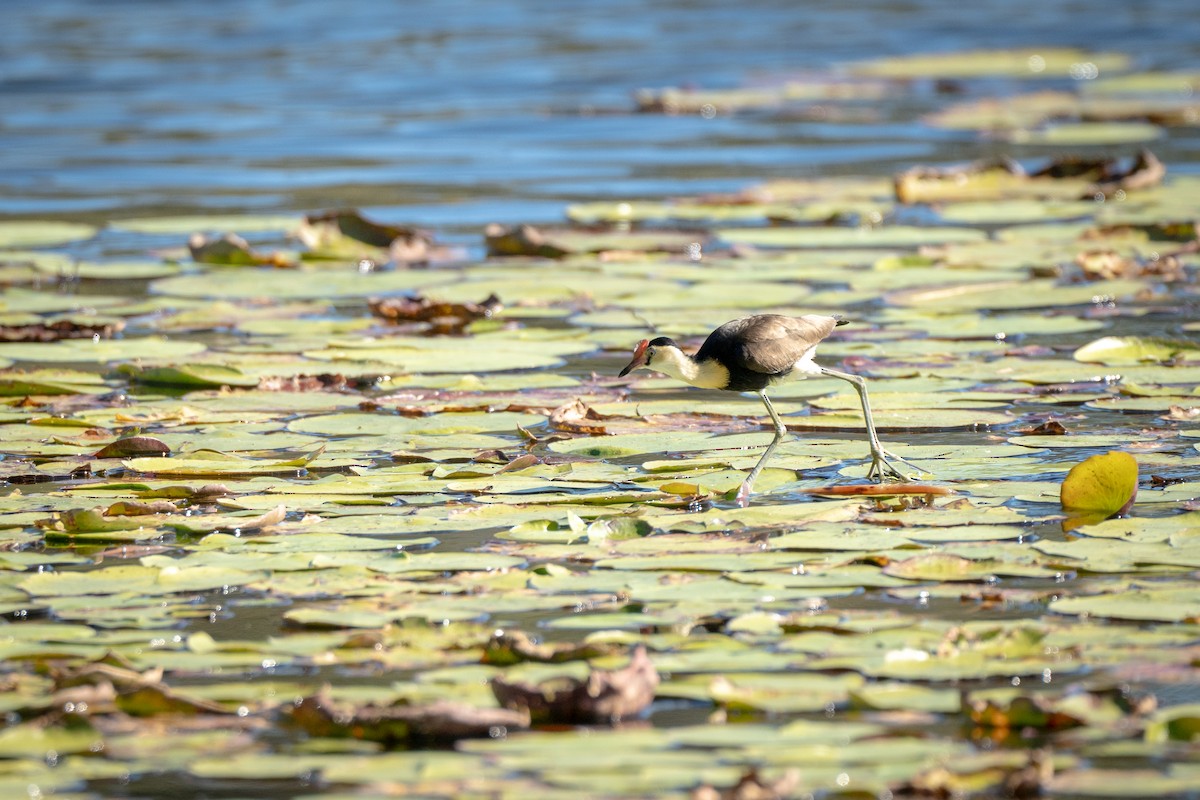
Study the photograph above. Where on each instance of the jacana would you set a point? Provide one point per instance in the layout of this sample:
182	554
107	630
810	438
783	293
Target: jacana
750	355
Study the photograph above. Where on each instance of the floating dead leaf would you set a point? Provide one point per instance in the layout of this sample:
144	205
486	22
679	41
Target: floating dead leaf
520	462
1181	414
205	523
751	786
1106	264
1043	712
324	382
603	698
1066	178
1050	427
60	329
513	647
231	250
992	179
133	446
1145	171
440	722
1028	780
1184	231
570	418
520	240
443	317
348	234
138	694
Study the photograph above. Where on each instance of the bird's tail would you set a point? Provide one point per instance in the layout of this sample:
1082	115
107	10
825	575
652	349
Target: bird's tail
840	320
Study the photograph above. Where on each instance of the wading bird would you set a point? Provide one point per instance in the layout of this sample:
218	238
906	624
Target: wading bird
749	355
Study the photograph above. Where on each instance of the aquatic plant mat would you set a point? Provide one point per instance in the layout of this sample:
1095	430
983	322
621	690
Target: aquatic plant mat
326	507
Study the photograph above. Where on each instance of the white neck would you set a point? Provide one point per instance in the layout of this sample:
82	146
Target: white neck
679	365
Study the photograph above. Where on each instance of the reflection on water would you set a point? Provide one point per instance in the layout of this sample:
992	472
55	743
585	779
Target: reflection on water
464	112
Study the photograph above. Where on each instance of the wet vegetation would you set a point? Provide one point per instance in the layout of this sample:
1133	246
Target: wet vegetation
325	506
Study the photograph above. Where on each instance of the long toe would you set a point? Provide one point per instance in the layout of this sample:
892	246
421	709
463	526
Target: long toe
883	470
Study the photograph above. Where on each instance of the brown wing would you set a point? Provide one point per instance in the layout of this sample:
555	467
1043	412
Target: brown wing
766	343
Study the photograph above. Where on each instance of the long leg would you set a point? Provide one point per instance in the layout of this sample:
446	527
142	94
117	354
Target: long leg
881	467
743	495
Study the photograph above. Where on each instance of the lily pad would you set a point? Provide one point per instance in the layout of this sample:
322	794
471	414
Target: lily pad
1048	62
1101	486
35	233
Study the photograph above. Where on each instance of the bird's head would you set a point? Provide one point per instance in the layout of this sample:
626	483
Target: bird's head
650	354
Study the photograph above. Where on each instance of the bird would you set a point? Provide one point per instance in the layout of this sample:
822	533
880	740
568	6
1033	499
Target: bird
752	354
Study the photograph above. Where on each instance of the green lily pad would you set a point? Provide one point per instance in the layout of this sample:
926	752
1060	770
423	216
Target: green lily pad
146	580
1088	133
1135	350
217	223
104	351
1042	62
35	233
1141	604
296	284
886	236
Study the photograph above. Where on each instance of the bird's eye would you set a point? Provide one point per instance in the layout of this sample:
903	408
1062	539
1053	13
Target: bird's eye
650	354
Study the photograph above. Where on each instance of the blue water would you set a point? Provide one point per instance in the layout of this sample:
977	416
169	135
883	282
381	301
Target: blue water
453	114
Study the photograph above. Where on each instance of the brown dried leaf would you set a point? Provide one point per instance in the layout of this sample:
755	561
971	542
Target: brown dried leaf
751	787
520	462
133	446
324	382
568	416
513	647
58	330
1182	413
1025	711
444	317
442	721
922	184
604	698
231	250
521	240
137	693
158	698
346	232
1050	427
1146	171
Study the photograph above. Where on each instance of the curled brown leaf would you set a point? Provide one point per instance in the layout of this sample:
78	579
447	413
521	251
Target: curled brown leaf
570	417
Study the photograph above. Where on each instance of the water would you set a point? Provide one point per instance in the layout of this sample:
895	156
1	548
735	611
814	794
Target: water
454	114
